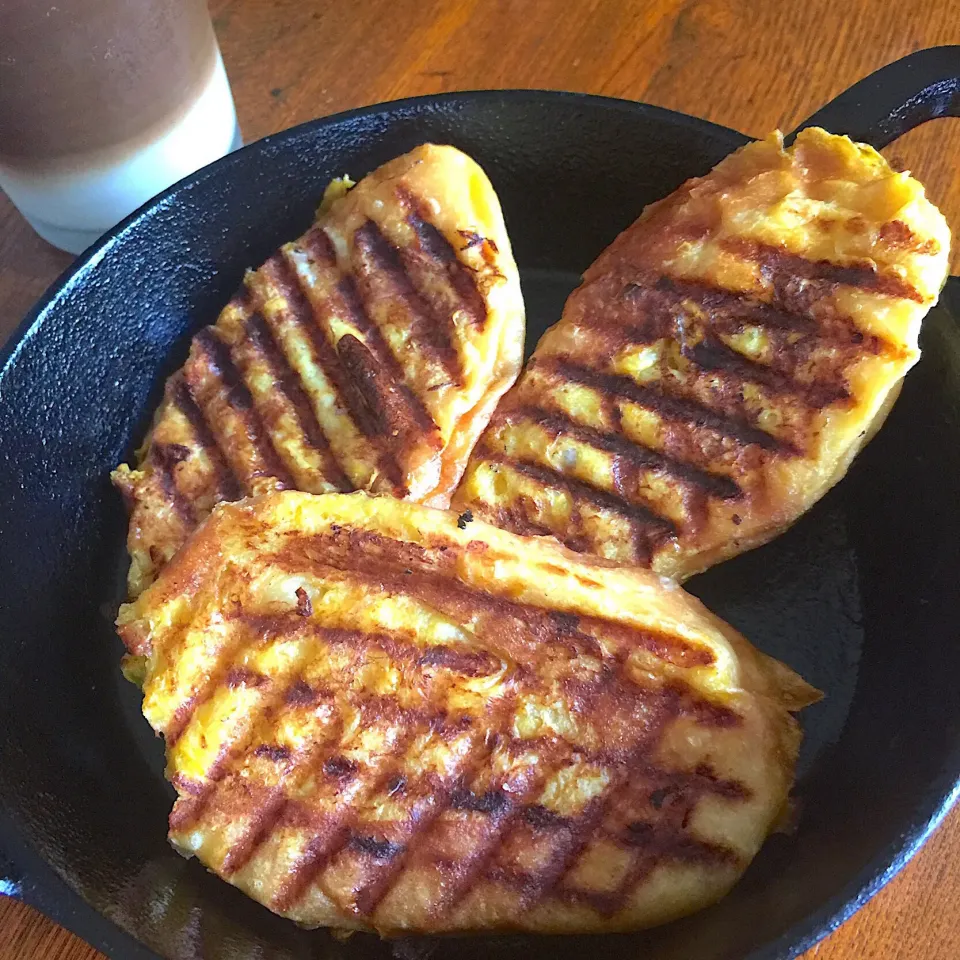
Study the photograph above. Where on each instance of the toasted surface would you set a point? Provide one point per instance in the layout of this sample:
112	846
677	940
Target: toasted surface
368	354
382	716
722	362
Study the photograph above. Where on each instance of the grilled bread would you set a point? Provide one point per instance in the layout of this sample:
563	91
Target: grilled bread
387	717
368	354
722	362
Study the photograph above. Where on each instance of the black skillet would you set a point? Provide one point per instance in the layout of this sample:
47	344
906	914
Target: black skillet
860	596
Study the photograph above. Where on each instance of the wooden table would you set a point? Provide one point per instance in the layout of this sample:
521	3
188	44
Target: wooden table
743	63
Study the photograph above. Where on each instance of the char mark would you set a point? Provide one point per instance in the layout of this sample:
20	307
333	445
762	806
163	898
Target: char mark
283	374
340	768
798	324
321	849
726	307
541	818
384	265
711	354
898	235
165	457
559	425
405	409
243	677
400	418
376	848
440	255
315	325
650	529
469	663
228	485
300	694
220	364
494	802
619	387
782	268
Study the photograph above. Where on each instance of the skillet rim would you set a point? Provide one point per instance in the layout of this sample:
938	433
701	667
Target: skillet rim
100	247
42	886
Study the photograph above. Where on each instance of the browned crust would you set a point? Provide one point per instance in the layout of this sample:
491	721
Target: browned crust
361	284
468	825
748	357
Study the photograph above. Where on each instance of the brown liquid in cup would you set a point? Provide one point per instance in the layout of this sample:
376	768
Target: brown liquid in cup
82	76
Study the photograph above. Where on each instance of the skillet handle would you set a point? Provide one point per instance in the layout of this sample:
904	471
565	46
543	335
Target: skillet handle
896	98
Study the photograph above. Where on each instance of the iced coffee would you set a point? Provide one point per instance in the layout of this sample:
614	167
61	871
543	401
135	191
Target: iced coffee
103	104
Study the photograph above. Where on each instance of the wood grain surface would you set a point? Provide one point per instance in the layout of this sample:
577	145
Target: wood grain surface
748	64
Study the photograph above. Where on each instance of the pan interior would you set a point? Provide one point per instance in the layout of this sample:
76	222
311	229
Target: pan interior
859	596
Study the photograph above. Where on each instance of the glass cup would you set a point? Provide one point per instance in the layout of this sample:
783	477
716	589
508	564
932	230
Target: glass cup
103	104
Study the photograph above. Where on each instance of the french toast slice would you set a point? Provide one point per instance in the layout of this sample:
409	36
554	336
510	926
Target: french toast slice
723	361
368	354
382	716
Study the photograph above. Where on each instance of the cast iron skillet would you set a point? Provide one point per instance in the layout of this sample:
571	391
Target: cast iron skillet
860	596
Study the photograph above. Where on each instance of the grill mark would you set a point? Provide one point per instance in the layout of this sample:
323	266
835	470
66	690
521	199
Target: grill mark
575	833
675	699
631	452
232	677
650	528
581	830
663	839
224	674
492	802
398	646
726	305
370	897
306	317
228	484
611	688
659	309
404	422
688	850
778	266
403	407
711	354
258	333
428	328
340	834
318	246
265	820
321	850
165	457
221	365
620	387
361	368
378	849
364	558
700	345
500	820
469	663
440	254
